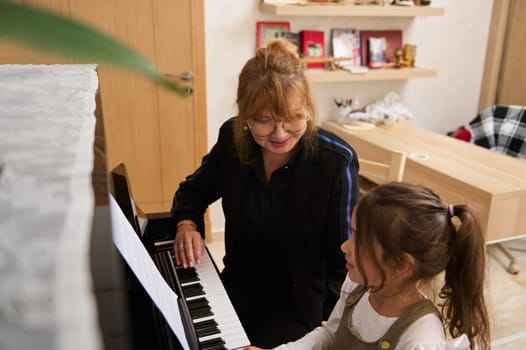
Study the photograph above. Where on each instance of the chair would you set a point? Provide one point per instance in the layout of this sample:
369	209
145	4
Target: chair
373	173
500	128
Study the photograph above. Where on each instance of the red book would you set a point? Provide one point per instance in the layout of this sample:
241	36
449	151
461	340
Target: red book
313	45
266	31
393	39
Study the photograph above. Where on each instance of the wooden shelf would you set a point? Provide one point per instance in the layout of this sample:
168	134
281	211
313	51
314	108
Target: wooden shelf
339	76
349	10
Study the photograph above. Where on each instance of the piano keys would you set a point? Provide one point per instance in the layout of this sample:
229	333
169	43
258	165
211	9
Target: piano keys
212	315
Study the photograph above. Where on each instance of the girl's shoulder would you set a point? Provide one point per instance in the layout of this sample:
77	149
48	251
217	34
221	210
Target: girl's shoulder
428	334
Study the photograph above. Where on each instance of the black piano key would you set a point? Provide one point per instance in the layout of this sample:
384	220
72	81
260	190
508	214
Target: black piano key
215	347
205	324
197	303
215	343
201	312
189	279
193	290
207	331
186	273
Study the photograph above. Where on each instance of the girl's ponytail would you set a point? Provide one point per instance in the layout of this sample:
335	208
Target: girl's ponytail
463	291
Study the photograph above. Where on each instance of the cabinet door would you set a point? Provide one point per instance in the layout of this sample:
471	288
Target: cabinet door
159	135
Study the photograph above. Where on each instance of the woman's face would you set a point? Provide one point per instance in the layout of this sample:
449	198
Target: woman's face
278	137
371	271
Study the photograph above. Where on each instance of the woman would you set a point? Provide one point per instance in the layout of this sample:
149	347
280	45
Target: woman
287	189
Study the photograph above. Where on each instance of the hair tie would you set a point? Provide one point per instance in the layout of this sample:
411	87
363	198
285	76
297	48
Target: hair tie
451	209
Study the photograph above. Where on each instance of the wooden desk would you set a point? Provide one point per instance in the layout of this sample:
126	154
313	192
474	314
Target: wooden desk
460	172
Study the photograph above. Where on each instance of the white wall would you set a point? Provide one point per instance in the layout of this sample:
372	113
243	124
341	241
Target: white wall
454	44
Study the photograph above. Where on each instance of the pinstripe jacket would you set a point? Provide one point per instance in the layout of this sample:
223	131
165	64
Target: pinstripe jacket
324	191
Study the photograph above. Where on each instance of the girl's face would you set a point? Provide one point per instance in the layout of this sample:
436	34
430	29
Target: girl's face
371	271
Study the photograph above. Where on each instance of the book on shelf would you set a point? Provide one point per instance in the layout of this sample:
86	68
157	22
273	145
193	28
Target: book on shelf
313	46
266	31
294	38
393	41
345	42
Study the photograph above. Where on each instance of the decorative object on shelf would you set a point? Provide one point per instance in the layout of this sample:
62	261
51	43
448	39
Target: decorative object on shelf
345	42
405	2
376	52
388	111
393	41
266	31
313	46
348	110
333	63
410	54
405	57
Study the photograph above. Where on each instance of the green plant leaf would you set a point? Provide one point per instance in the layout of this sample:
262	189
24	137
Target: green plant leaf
53	33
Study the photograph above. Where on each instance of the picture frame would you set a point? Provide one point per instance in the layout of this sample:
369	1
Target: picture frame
345	42
266	30
393	41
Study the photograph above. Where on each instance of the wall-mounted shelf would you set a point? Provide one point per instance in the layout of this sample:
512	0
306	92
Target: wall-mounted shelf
349	10
339	76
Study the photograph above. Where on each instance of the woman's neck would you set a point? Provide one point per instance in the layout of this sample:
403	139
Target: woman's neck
392	302
273	161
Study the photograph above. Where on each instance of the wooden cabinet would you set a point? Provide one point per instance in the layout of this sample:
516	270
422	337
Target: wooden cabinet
347	10
160	136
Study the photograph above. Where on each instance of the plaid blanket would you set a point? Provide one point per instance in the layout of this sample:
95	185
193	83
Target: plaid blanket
501	129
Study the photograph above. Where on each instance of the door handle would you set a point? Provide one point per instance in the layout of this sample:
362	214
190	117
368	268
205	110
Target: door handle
186	76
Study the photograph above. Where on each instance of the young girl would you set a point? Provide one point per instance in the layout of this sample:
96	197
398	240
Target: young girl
403	235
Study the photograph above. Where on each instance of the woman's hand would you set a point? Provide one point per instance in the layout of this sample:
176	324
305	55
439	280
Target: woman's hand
188	244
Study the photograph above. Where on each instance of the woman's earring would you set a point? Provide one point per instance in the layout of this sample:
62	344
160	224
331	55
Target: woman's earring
245	128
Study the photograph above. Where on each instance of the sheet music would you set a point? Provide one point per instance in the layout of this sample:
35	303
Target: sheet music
138	259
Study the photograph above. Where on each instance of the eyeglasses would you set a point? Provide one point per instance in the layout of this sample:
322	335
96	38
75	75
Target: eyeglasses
267	126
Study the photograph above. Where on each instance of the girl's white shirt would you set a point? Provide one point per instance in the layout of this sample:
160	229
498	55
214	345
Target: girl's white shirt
427	333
